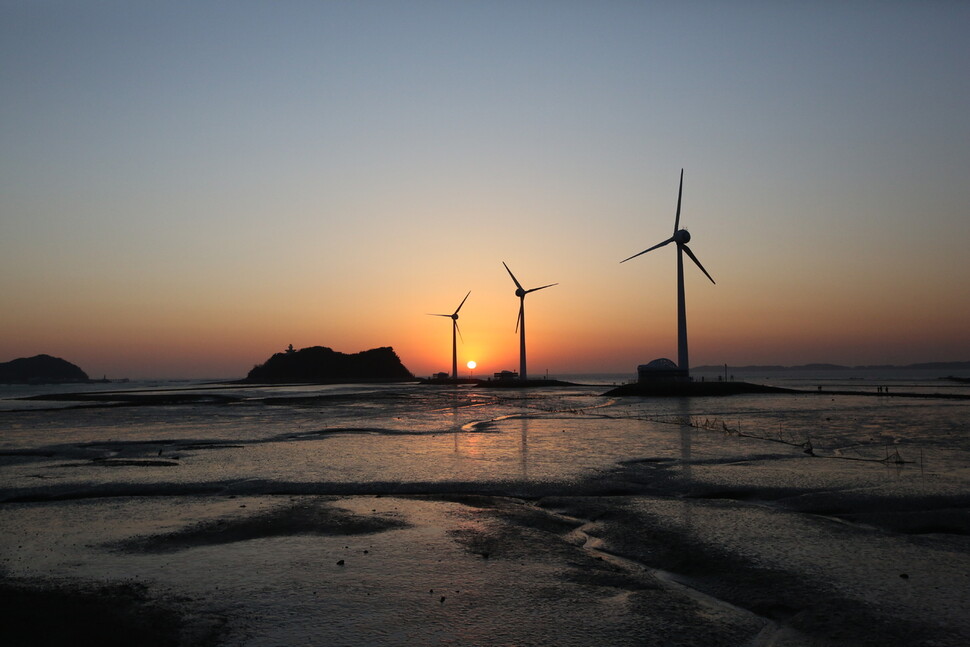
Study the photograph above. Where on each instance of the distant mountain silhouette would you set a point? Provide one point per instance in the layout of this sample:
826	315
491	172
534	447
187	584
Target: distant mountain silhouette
321	364
936	366
40	369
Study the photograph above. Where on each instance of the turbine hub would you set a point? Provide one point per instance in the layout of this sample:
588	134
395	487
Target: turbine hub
519	292
455	316
682	236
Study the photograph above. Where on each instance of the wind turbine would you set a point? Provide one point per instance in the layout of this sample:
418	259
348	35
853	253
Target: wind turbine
454	332
681	237
520	322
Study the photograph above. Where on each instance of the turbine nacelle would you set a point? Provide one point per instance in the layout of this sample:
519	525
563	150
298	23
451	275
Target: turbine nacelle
681	236
519	292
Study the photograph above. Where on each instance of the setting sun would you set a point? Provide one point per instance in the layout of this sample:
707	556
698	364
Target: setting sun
471	364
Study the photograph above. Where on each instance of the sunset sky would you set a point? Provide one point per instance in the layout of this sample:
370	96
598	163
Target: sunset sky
188	187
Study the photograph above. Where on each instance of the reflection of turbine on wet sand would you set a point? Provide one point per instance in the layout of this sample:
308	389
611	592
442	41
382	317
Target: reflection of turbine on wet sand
685	439
455	427
524	447
685	458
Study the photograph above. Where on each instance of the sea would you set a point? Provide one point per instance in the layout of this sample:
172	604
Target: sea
416	514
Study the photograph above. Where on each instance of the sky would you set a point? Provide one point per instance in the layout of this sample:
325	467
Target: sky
188	187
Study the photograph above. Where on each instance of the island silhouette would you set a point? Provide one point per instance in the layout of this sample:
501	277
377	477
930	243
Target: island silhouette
319	364
41	369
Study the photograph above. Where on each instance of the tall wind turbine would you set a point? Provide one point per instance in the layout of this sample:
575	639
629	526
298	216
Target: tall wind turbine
520	322
681	237
454	334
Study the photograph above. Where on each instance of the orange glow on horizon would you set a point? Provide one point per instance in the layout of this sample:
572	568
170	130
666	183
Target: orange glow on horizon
576	327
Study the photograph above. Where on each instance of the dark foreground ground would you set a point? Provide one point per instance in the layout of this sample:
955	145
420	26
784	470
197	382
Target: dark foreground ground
38	613
614	568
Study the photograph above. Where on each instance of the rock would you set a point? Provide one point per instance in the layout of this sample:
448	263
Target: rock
319	364
40	369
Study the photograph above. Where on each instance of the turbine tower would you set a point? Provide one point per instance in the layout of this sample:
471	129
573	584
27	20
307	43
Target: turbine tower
520	322
454	333
681	237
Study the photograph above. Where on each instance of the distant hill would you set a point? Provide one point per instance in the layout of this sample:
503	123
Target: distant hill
319	364
926	366
40	369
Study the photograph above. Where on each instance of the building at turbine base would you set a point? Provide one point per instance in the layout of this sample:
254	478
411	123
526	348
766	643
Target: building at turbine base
661	370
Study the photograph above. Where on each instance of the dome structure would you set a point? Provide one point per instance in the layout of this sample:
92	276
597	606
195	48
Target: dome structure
660	370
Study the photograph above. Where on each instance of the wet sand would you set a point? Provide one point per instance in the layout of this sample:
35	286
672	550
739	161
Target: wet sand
627	568
36	612
187	531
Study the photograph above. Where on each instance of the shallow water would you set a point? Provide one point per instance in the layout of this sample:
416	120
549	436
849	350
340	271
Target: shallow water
416	434
843	494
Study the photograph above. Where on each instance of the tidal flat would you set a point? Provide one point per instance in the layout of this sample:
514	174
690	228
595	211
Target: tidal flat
415	514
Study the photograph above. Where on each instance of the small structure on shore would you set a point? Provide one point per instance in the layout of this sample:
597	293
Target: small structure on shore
661	370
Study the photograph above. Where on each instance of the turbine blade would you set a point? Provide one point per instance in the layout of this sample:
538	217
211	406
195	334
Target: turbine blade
458	330
694	258
542	288
521	314
436	315
462	302
517	284
680	192
666	242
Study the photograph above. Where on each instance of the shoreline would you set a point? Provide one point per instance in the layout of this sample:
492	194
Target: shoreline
191	394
